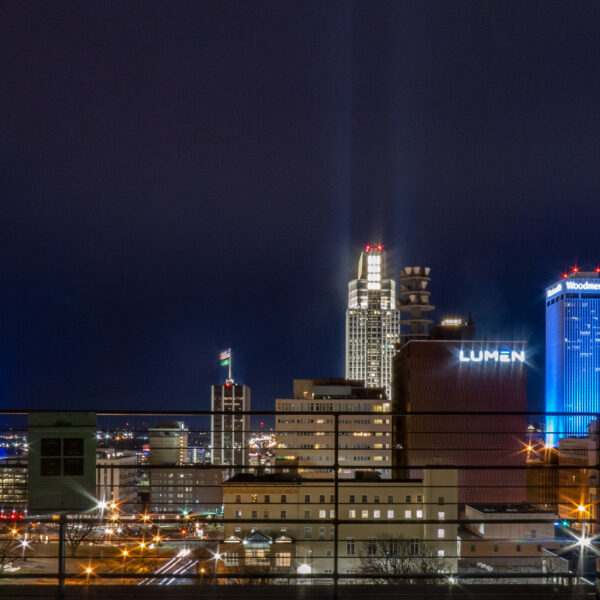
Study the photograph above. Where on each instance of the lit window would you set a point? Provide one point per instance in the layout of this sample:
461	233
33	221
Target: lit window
352	514
441	515
408	514
441	533
441	553
419	514
322	514
364	514
390	514
376	514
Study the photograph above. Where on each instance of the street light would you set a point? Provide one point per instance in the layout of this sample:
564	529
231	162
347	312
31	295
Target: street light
125	555
24	545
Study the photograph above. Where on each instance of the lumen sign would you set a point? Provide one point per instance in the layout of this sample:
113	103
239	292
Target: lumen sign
501	355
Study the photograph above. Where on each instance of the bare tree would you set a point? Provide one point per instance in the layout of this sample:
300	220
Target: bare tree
77	529
387	556
9	551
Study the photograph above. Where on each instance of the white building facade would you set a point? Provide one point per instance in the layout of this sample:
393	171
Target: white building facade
372	321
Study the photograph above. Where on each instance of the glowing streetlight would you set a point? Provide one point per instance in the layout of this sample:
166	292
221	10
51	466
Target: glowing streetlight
101	505
24	545
451	580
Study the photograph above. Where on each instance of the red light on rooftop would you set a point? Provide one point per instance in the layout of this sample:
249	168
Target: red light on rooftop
564	275
379	247
575	269
368	247
597	269
228	384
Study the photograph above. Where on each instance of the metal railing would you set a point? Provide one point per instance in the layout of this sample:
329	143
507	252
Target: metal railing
283	516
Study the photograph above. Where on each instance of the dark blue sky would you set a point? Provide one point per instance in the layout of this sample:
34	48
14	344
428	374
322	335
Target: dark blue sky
178	178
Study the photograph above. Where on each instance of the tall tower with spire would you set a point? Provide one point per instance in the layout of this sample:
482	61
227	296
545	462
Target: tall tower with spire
372	321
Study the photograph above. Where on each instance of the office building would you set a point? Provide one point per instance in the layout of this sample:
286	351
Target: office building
230	431
414	303
308	440
284	524
572	353
168	443
440	376
13	483
117	477
176	484
372	321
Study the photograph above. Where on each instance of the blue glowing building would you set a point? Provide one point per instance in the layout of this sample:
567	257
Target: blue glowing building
572	353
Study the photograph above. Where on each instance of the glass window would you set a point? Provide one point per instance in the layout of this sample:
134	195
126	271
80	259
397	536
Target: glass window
352	514
307	498
376	514
308	532
350	546
322	514
283	514
267	499
408	514
364	499
364	514
390	514
419	514
283	498
408	499
441	515
352	499
307	514
441	533
322	498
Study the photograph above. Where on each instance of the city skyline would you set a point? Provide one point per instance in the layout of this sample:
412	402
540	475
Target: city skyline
154	215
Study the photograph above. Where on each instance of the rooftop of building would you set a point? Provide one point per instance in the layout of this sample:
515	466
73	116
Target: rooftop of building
522	507
294	478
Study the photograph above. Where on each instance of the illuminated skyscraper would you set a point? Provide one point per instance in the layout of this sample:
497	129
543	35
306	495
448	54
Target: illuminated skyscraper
230	431
372	322
572	353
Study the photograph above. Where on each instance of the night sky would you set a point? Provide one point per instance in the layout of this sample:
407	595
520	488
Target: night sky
182	177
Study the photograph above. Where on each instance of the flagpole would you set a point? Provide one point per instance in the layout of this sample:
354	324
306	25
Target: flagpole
230	359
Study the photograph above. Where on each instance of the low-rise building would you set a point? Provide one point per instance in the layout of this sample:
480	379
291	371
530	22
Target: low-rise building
284	524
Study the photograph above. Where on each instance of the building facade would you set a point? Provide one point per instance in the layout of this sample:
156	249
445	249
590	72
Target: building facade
230	432
281	524
468	378
572	353
372	321
364	441
117	476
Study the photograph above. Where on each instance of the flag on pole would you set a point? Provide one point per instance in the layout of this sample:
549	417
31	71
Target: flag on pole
225	357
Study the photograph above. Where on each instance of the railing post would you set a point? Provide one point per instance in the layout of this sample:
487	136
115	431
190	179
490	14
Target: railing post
336	520
61	557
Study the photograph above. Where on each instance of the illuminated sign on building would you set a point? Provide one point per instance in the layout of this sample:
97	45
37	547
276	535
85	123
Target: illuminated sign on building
503	355
554	290
590	286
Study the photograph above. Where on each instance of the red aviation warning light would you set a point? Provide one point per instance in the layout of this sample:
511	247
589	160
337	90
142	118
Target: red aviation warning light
575	269
368	247
564	275
597	269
